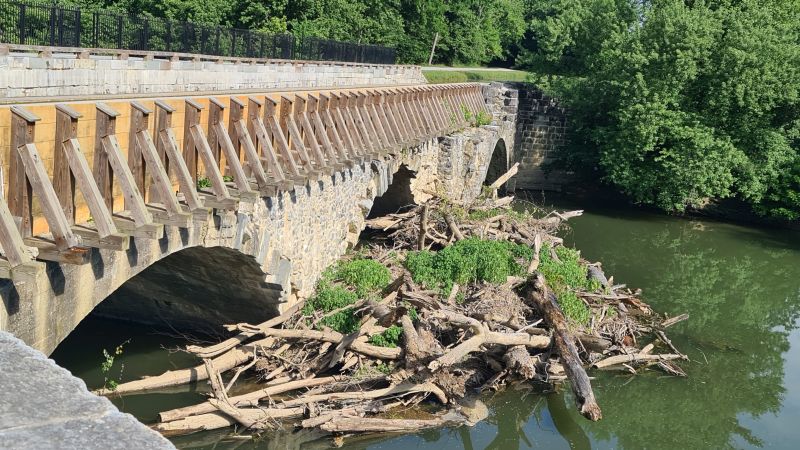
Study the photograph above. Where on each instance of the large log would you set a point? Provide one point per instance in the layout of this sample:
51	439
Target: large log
222	363
249	399
546	302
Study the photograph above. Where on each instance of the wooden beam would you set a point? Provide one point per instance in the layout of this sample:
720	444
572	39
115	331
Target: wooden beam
170	155
79	168
133	197
40	182
252	160
63	179
232	157
187	185
192	111
15	251
105	125
212	170
20	192
162	183
139	122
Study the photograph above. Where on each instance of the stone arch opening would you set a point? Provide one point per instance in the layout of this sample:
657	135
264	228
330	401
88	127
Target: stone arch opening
195	290
397	196
498	163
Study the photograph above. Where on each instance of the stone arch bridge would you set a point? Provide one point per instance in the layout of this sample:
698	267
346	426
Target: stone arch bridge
228	195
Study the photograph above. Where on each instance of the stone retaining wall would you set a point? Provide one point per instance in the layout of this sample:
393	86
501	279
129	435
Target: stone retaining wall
30	76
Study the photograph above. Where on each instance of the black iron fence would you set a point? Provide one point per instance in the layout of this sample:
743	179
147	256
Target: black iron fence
65	26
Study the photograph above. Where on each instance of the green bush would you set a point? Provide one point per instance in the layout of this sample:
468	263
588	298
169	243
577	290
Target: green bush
466	261
566	276
329	298
389	338
364	275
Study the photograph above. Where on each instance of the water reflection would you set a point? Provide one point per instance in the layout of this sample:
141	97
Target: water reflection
741	288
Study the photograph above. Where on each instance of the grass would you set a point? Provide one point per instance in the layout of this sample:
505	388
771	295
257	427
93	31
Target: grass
564	276
461	76
468	261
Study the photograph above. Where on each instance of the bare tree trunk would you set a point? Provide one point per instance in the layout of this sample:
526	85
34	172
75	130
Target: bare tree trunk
547	303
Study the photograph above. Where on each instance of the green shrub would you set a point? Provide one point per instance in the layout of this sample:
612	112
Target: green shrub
566	276
329	298
389	338
364	275
466	261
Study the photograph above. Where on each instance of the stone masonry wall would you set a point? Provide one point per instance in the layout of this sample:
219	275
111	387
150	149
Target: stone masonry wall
30	76
540	132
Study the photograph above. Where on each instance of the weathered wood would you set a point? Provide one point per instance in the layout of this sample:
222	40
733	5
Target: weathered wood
79	168
232	157
185	180
192	111
308	139
163	122
56	219
139	122
15	251
63	179
249	399
252	160
545	301
215	113
133	198
105	125
209	163
20	192
48	250
159	175
274	165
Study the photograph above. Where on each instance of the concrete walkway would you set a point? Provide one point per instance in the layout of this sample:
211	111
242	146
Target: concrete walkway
42	406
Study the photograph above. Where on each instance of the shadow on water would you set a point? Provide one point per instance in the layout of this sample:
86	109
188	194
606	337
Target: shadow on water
741	288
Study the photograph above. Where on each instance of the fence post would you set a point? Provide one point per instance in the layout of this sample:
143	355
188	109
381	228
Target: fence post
52	25
78	28
168	38
145	35
119	32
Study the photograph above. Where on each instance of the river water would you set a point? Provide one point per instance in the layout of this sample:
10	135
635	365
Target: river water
739	284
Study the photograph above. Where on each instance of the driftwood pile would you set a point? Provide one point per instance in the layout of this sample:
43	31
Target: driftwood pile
450	351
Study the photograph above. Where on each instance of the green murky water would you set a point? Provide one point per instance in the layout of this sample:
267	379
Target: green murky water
740	286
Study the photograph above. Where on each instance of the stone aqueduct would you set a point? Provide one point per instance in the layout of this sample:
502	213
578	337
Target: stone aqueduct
177	202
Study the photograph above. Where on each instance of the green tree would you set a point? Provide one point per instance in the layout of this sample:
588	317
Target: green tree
678	102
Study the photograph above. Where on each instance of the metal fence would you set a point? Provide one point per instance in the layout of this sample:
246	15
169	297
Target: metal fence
65	26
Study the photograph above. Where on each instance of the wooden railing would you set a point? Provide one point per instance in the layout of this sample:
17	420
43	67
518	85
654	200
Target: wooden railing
181	157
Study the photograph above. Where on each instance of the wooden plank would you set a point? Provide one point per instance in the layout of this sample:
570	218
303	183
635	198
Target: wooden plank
159	175
232	156
251	157
11	241
91	238
366	122
127	225
133	198
20	192
51	251
63	179
212	170
348	141
273	164
163	122
359	126
318	134
330	128
374	117
51	207
105	119
283	147
191	118
188	187
215	113
79	167
297	144
136	161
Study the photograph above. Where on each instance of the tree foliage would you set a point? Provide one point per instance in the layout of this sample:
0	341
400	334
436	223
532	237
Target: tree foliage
470	31
678	102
